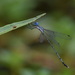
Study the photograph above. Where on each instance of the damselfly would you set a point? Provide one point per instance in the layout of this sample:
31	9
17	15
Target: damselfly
50	37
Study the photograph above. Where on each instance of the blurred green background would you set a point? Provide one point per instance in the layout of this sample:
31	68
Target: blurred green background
21	53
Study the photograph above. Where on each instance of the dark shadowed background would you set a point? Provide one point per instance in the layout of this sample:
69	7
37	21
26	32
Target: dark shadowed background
21	53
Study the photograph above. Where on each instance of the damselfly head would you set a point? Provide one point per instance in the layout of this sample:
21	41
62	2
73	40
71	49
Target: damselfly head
36	23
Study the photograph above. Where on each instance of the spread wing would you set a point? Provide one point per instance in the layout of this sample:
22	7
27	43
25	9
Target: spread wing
57	34
51	36
53	43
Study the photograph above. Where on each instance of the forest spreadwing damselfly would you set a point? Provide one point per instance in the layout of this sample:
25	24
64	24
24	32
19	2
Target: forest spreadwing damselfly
50	35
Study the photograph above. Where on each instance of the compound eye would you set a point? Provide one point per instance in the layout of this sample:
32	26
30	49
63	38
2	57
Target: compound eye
36	23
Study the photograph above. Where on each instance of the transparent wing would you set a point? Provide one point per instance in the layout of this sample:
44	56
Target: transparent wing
57	34
51	42
51	37
41	38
